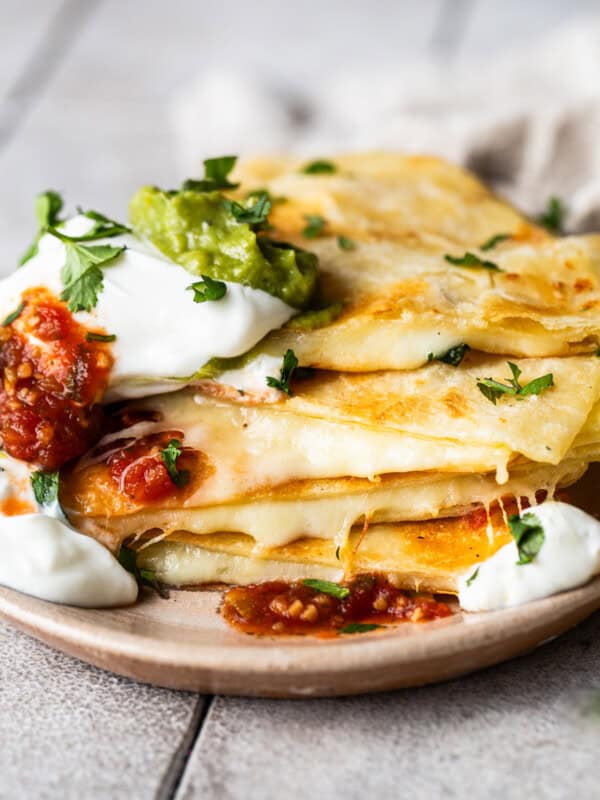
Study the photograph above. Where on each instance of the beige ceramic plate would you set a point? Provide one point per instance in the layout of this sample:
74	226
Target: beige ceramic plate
183	643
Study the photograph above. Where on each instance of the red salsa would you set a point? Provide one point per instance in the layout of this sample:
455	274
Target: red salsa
52	380
363	603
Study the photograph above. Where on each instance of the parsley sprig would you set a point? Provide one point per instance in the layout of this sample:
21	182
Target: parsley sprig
127	558
493	389
48	206
472	261
208	289
528	533
290	363
216	176
170	454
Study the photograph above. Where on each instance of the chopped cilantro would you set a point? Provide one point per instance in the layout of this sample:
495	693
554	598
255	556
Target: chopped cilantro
170	455
13	315
344	243
256	214
472	261
48	206
473	577
45	486
337	552
314	226
552	218
360	627
104	227
290	362
216	176
208	289
81	275
90	336
528	533
320	167
453	356
127	558
494	240
327	587
493	389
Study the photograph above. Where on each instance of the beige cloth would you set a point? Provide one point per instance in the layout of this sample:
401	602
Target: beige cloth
528	123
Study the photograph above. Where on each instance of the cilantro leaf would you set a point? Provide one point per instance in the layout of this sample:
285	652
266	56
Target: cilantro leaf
48	206
493	389
170	455
360	627
13	315
127	558
81	274
472	261
90	336
256	214
45	486
290	362
473	577
494	240
216	176
104	227
314	226
344	243
208	289
528	533
453	356
552	218
327	587
319	167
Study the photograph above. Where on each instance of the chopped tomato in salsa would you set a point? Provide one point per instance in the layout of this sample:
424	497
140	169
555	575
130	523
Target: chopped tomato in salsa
51	382
140	470
277	607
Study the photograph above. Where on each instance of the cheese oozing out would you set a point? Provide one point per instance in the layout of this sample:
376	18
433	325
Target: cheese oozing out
569	557
162	336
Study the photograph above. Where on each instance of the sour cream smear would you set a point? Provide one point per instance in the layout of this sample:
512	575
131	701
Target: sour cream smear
569	557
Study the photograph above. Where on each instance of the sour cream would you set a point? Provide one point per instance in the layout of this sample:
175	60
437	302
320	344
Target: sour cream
569	557
162	335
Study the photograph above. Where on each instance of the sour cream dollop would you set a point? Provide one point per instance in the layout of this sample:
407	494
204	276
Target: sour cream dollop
162	335
569	557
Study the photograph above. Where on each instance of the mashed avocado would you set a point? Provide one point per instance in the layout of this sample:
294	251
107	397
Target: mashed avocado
198	230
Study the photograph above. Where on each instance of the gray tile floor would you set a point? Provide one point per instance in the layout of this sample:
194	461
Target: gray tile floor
84	93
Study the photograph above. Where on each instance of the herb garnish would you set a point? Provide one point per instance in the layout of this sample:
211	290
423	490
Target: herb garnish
327	587
290	362
104	227
127	558
344	243
528	533
81	274
493	389
337	552
216	176
453	356
256	214
360	627
45	486
494	240
90	336
320	167
170	454
314	226
13	315
472	261
473	577
552	218
208	289
48	206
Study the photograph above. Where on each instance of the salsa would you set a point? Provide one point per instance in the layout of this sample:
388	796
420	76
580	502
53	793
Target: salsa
371	601
52	380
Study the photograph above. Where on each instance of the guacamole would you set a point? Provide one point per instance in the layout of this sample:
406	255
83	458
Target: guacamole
199	230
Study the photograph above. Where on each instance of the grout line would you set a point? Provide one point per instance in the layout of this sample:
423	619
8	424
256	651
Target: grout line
173	776
450	27
29	85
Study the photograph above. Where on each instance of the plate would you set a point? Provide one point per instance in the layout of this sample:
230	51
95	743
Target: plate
183	643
